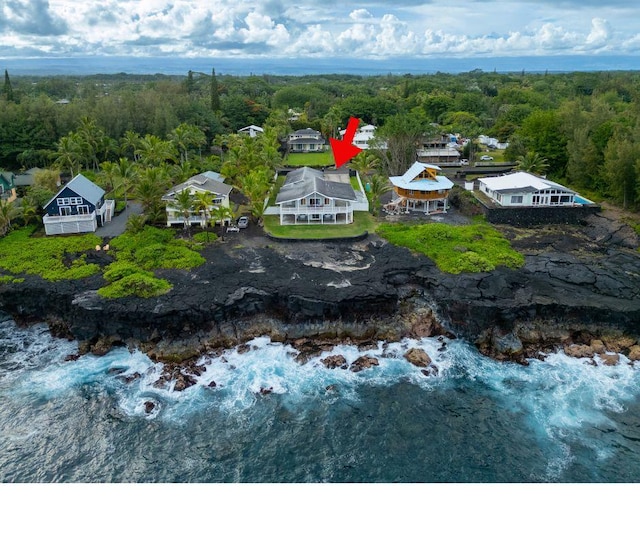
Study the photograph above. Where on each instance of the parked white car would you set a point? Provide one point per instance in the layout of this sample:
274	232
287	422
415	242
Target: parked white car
464	162
232	229
486	157
243	222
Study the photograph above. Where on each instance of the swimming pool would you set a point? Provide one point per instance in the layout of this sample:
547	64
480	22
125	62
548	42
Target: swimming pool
582	201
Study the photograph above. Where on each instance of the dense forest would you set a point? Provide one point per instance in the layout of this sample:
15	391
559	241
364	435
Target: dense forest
585	127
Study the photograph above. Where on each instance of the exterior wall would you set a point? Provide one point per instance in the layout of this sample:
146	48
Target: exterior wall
53	209
417	195
174	217
58	225
329	211
531	216
295	147
540	198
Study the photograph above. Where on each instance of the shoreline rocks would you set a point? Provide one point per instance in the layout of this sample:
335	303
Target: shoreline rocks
559	298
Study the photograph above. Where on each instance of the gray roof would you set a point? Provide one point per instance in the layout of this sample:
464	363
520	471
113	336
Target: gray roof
83	187
27	178
206	181
306	181
317	141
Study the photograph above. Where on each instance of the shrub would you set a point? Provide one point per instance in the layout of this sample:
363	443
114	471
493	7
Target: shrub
52	258
472	248
139	284
121	269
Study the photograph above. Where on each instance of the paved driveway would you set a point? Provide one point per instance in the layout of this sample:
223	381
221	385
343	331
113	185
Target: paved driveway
118	223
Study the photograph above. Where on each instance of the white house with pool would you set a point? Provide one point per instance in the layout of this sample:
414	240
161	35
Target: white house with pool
524	189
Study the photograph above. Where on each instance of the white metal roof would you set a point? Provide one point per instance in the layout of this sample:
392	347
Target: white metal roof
408	180
523	181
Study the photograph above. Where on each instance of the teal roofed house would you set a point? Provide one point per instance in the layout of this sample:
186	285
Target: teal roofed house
7	186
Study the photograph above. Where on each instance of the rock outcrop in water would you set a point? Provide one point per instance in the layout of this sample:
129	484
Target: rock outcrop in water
578	285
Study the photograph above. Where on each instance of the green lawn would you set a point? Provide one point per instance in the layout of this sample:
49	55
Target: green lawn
309	159
361	222
472	248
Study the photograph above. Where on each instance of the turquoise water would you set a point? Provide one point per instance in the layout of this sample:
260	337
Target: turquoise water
582	201
558	420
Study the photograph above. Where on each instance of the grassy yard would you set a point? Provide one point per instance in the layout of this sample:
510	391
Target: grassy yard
477	247
361	222
309	159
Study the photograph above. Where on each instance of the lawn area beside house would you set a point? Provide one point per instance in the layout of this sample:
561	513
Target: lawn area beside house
309	159
361	222
477	247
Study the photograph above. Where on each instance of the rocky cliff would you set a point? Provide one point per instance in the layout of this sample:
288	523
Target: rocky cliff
578	285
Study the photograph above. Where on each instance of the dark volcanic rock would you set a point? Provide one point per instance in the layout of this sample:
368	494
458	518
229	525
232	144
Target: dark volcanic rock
335	361
418	357
575	281
364	362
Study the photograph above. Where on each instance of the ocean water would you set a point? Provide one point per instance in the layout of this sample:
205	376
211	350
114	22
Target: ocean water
175	65
558	420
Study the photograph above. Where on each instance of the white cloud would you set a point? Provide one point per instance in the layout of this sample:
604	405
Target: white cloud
345	28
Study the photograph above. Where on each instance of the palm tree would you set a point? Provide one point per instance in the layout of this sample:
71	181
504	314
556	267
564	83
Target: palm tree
222	213
378	185
8	211
130	143
365	163
149	190
185	137
532	162
154	151
69	154
183	203
202	204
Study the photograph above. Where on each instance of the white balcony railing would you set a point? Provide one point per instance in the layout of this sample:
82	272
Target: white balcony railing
321	209
47	219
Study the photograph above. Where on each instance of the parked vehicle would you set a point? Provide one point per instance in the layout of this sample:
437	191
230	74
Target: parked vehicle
243	222
486	157
233	229
464	162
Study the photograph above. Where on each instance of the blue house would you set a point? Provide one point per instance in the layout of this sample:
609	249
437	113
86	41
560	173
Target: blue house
79	207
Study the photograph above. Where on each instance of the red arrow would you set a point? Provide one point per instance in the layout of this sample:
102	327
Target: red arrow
344	150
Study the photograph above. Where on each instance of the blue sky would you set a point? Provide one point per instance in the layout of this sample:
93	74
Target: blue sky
369	29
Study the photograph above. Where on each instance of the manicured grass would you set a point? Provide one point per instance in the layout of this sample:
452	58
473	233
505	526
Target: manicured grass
52	258
361	222
310	159
472	248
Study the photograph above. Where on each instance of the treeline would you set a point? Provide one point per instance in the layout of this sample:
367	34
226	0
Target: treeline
585	125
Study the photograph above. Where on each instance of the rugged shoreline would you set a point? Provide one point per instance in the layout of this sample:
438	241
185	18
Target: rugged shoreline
579	286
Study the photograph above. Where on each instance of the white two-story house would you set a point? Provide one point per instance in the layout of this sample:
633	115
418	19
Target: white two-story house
306	141
210	182
309	197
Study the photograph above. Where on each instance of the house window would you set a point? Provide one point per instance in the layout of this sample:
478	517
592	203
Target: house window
63	201
65	211
314	202
516	199
565	199
75	201
327	201
499	198
83	209
303	201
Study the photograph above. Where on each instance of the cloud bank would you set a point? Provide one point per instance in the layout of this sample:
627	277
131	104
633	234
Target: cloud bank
369	29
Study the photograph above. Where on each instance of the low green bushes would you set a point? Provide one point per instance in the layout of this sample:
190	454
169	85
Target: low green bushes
138	254
52	258
455	249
